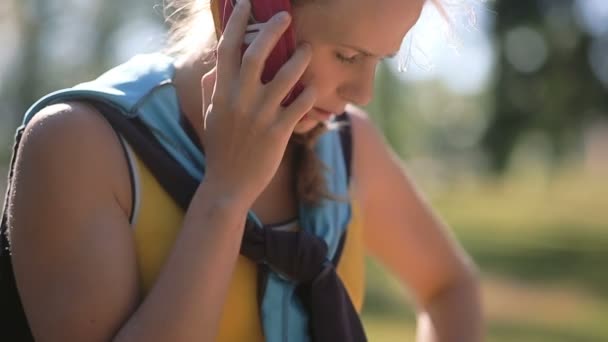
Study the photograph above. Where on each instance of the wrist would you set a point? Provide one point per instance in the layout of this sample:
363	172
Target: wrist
224	197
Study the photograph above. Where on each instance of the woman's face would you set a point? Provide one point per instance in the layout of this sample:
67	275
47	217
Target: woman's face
348	38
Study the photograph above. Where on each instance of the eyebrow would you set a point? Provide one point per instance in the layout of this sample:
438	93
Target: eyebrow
367	53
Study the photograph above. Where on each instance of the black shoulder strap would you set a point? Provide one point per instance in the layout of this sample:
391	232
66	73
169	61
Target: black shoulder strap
347	147
346	140
168	172
174	179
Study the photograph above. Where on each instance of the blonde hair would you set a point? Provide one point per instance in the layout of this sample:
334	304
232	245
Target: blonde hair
190	25
192	30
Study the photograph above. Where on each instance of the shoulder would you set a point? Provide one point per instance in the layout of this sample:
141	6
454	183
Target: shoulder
71	172
366	136
402	224
65	121
72	142
371	152
376	169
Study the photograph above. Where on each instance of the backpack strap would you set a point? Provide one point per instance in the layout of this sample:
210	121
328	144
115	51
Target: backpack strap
347	145
13	321
176	180
173	178
346	139
178	183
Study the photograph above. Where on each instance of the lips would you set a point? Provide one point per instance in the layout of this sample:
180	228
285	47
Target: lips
317	114
320	114
323	111
331	111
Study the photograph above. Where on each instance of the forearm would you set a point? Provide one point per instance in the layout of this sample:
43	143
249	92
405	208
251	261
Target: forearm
186	301
453	315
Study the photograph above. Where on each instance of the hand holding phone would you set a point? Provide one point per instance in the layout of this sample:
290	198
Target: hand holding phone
247	124
261	12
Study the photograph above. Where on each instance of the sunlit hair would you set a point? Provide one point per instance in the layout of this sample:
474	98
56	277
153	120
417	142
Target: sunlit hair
191	28
191	31
448	18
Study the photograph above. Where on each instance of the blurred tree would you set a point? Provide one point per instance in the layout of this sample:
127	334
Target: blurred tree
387	107
31	19
43	26
544	80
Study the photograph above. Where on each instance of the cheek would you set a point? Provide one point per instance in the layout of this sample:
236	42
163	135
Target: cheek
322	72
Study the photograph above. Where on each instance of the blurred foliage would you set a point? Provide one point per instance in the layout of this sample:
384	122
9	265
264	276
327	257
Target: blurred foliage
542	251
545	82
553	233
537	229
537	226
60	43
549	88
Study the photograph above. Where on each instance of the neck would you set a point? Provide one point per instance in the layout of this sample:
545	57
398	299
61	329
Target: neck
189	71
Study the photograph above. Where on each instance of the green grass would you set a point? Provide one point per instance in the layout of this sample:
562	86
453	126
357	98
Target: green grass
515	310
388	329
535	229
542	246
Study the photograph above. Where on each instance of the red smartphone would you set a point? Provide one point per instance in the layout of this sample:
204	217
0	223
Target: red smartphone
261	12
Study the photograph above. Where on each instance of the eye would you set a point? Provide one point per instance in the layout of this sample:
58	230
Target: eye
347	60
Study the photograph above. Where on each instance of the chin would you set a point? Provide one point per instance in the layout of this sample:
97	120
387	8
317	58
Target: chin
306	125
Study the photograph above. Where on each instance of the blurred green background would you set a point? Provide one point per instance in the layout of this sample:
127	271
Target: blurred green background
501	119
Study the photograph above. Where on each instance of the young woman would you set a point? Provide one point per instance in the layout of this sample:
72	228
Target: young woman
101	250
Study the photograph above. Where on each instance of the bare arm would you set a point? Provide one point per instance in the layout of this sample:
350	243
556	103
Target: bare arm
74	253
74	257
402	231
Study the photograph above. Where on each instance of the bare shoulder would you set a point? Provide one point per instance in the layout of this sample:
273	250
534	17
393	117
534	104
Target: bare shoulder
61	117
67	128
365	132
359	118
401	228
68	230
372	156
77	139
67	131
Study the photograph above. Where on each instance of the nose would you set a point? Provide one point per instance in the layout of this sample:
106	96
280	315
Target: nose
359	89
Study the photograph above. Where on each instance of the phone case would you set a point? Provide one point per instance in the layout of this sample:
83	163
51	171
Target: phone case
261	12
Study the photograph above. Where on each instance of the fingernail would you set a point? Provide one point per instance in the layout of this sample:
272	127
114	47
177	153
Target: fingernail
282	16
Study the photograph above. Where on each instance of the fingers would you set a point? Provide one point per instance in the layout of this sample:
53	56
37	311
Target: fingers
260	48
289	74
207	87
291	115
229	46
218	84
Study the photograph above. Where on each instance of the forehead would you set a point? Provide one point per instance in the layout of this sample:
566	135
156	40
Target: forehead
377	25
